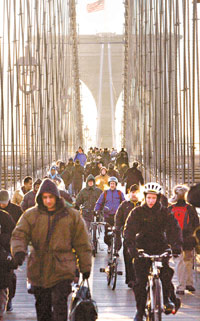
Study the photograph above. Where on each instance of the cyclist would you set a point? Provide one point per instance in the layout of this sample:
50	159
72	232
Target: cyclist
120	218
109	200
87	197
151	228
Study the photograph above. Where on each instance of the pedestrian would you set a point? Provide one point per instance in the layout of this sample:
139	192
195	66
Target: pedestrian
133	176
15	212
120	218
188	220
53	175
101	180
113	172
67	175
7	265
151	228
19	193
106	158
29	198
54	231
77	178
109	202
87	198
80	156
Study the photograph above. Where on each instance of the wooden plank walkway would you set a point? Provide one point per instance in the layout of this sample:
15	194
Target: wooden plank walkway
112	305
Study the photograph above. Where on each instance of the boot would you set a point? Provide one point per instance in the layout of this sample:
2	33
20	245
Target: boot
9	307
138	316
168	306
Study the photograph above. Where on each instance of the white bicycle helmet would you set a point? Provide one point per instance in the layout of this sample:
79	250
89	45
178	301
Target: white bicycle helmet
152	188
112	179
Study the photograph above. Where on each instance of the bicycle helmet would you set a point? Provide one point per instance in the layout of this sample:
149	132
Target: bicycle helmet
152	188
112	179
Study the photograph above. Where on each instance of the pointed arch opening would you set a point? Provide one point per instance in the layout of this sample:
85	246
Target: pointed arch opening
89	116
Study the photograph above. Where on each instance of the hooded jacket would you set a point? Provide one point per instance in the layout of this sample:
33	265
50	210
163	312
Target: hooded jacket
151	229
53	235
111	202
189	241
87	197
102	181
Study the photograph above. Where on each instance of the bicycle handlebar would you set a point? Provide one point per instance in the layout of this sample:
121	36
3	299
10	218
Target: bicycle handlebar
167	253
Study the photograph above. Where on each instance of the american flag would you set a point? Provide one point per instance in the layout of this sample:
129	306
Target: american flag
95	6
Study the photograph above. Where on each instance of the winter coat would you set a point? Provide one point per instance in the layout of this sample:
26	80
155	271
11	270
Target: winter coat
122	213
111	202
6	265
113	172
102	180
121	159
87	197
77	176
81	157
189	241
7	226
18	196
28	200
133	176
67	175
151	229
14	210
120	218
106	158
193	196
53	235
91	168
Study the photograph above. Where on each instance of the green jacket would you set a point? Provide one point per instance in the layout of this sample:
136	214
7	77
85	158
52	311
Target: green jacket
52	257
87	197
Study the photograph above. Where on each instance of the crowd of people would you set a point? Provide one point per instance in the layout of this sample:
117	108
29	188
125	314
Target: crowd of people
49	220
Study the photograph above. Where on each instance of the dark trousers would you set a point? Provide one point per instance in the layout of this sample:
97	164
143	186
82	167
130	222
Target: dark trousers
142	270
130	272
110	221
51	303
12	285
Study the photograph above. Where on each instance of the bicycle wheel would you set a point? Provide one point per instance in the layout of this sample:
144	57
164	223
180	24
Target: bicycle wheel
149	314
113	280
94	240
157	311
108	272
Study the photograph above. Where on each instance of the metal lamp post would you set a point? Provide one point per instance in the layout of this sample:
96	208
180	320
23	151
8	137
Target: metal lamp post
27	80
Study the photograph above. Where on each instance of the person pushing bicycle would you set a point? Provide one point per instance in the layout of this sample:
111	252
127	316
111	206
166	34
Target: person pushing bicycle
151	228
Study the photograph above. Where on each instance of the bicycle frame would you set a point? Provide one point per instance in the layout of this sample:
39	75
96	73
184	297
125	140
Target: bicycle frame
111	269
155	302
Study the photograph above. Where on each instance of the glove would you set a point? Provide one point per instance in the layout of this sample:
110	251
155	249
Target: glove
86	275
176	252
19	258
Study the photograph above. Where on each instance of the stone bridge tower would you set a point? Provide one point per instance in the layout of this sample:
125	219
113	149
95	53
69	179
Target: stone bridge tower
101	60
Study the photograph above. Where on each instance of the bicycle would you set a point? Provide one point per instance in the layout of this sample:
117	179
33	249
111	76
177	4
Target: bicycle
94	228
112	268
155	304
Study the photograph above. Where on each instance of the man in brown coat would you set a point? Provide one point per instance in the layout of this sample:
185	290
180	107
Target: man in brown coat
58	236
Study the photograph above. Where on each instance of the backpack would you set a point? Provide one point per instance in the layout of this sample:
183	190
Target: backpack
119	193
182	215
82	307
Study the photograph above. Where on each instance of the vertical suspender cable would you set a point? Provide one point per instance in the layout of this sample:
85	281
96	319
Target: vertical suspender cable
100	94
111	95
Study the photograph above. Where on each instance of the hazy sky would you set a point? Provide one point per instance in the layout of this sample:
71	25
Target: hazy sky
108	20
